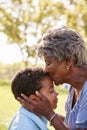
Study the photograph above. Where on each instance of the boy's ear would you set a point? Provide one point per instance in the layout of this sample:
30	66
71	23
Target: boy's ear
34	97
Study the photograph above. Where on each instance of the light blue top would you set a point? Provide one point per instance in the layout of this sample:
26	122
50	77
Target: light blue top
77	117
26	120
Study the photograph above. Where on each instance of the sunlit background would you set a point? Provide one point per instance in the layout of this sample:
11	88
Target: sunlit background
8	53
22	25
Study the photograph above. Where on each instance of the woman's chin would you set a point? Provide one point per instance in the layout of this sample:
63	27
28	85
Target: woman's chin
57	83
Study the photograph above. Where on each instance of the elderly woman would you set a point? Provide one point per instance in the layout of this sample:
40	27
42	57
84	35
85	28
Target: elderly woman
64	52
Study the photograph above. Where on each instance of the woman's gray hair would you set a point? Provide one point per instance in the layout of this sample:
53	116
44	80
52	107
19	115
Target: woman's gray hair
62	44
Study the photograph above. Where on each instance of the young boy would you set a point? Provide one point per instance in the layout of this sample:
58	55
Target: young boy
27	82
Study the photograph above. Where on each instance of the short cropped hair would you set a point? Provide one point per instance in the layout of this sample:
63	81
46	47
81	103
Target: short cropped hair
27	81
63	43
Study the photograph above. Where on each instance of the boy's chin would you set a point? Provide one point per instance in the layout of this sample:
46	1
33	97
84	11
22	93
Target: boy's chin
54	107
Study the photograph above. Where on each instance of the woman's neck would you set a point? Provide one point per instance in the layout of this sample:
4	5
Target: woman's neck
75	97
78	78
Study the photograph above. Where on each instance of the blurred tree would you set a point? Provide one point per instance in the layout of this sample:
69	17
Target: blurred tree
24	20
76	16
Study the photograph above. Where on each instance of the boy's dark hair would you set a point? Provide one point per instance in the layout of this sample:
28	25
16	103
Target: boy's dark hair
27	81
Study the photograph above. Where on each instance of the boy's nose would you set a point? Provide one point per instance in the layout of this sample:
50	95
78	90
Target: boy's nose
56	93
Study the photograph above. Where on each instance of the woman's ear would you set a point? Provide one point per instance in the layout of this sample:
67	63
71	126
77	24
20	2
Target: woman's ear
34	97
69	63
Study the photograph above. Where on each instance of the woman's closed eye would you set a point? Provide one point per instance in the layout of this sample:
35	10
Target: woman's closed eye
48	63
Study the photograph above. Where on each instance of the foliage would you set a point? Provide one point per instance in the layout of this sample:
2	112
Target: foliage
76	16
22	20
7	71
25	21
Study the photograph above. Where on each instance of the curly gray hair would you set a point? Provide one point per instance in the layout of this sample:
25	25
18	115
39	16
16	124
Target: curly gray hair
63	43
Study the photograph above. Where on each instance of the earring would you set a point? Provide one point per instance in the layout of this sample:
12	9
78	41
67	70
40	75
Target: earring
67	67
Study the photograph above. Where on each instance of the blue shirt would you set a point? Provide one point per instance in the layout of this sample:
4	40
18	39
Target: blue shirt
26	120
77	117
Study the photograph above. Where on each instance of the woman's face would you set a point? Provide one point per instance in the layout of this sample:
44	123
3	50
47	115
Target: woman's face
57	71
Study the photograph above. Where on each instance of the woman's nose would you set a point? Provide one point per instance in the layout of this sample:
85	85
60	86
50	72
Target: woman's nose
46	69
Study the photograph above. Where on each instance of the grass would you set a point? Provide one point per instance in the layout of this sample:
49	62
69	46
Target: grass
9	106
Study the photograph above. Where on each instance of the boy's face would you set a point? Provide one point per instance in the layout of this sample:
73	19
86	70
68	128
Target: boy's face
49	92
